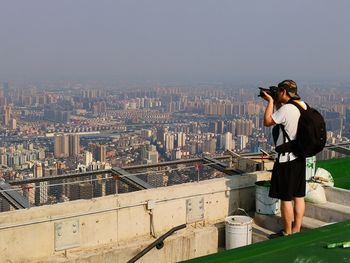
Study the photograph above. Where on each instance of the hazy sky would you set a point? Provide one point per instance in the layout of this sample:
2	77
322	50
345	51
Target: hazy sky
176	40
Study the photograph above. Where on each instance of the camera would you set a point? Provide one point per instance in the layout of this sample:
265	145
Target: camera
272	91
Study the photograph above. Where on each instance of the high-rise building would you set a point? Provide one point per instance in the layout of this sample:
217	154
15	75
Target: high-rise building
181	139
228	141
87	158
231	127
172	106
74	144
256	121
13	124
213	127
99	107
347	116
6	116
213	109
244	127
38	170
143	152
153	157
41	188
228	109
3	159
239	127
57	115
233	144
100	153
209	145
176	154
169	142
347	123
220	109
242	141
220	141
61	146
161	134
221	127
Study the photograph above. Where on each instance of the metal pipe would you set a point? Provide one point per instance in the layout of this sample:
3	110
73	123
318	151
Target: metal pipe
158	242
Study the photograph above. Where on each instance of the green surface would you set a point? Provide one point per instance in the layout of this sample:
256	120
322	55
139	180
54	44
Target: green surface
339	169
263	183
308	246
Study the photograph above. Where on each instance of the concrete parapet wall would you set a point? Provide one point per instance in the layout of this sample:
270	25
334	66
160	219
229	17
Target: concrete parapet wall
184	244
118	221
337	195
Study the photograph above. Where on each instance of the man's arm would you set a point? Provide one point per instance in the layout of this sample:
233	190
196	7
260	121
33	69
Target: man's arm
268	121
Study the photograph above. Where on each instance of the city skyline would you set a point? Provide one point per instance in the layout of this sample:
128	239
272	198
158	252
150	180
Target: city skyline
55	127
123	123
175	41
71	125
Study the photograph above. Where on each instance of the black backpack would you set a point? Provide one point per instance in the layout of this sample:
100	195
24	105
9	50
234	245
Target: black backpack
311	133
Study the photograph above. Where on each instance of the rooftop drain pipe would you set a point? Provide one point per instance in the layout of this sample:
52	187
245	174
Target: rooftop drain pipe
157	243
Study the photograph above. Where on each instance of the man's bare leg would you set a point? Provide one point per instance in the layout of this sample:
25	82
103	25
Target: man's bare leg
299	209
287	216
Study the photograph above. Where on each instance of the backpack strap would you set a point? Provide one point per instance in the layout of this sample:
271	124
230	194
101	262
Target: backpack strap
288	146
284	147
298	105
291	145
285	134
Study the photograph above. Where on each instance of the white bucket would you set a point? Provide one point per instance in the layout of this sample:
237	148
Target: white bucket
263	203
238	231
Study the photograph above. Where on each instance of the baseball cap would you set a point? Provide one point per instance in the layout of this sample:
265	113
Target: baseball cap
291	87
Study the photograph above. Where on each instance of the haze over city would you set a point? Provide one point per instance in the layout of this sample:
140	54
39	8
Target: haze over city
196	40
135	129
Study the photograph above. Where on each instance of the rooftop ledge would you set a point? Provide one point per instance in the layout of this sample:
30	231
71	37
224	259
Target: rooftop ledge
115	228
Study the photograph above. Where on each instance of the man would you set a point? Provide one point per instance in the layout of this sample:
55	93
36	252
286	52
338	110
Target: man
288	175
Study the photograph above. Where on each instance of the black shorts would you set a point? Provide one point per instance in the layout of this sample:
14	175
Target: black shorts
288	180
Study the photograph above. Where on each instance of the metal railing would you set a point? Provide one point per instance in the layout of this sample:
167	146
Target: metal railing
31	192
92	184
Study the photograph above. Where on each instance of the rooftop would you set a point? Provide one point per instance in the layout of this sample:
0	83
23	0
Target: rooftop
118	226
308	246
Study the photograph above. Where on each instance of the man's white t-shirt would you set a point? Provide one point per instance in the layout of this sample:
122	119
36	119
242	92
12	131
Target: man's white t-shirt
288	115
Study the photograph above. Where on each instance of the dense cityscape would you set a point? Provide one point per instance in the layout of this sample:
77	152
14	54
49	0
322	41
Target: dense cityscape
142	131
66	127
